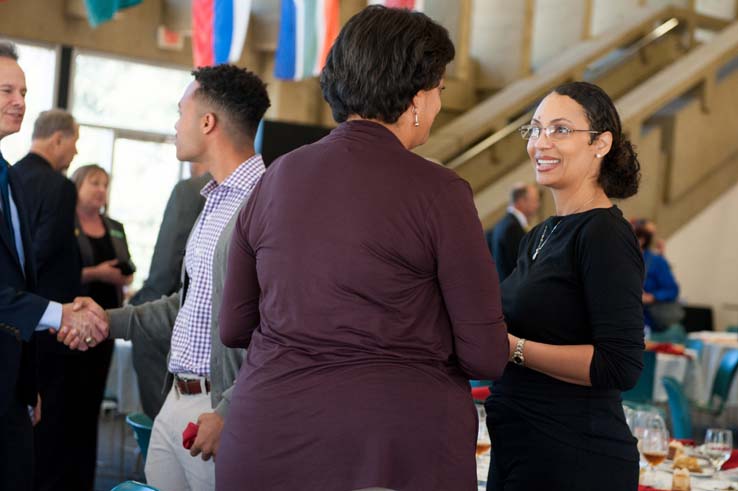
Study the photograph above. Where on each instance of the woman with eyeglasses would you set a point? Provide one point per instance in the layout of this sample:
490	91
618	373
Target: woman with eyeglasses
573	308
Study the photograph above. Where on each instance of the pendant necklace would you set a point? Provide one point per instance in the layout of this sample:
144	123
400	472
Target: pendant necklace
544	238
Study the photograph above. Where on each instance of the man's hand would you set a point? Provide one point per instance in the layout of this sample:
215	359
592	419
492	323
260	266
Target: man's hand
37	411
84	324
648	298
208	435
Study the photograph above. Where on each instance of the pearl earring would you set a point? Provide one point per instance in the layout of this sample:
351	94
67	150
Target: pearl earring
598	155
416	123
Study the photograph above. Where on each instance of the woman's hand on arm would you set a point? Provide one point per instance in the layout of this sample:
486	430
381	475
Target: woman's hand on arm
569	363
106	272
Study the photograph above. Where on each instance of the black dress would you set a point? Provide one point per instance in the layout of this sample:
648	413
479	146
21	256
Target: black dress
583	288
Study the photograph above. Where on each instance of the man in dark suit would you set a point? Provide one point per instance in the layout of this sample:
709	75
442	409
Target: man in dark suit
22	312
504	238
50	200
184	205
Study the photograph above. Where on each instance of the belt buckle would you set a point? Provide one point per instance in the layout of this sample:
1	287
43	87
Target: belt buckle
184	385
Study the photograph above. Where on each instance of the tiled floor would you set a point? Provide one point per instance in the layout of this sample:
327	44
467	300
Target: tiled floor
117	453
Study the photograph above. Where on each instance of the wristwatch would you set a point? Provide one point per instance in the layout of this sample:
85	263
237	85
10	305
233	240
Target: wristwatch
517	356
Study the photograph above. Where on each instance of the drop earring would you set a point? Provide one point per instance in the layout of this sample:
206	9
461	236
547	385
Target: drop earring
416	123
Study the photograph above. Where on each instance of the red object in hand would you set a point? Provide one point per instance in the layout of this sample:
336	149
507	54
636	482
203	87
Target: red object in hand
188	435
480	393
667	348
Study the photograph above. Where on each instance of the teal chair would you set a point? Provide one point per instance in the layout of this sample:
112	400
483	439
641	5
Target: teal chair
141	426
732	329
681	419
697	345
480	383
721	384
643	391
134	486
673	334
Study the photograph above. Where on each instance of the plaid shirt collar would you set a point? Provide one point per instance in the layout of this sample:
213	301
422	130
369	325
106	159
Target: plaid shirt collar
242	178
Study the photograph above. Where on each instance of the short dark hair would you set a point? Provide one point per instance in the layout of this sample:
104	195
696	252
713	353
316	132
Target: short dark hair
620	171
8	50
518	192
240	94
381	58
51	121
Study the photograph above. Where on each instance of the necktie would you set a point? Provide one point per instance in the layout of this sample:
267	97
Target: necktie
5	194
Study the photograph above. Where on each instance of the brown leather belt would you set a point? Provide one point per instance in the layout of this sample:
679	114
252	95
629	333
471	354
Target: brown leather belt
191	386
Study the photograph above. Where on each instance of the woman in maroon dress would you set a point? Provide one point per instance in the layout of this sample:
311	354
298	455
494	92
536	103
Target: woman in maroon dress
361	284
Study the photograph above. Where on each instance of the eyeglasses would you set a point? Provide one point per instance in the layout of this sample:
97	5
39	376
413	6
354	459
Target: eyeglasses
555	132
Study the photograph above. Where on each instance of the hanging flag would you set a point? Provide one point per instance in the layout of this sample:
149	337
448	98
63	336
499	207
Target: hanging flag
307	30
99	11
219	30
417	5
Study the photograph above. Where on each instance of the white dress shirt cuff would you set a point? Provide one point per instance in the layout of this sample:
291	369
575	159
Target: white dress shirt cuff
52	317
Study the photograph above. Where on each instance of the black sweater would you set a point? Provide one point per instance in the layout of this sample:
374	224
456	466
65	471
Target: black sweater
583	288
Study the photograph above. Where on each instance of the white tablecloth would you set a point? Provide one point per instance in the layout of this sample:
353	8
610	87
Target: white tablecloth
659	479
122	382
682	368
662	480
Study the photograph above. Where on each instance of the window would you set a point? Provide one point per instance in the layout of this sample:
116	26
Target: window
127	112
125	94
144	175
39	65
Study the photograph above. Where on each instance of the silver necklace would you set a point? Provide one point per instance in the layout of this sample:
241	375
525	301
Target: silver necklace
544	238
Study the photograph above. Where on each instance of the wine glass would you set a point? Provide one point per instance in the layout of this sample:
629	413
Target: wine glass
718	447
483	441
641	420
655	443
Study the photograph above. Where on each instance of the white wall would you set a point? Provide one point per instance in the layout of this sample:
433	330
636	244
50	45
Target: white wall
557	25
496	40
704	257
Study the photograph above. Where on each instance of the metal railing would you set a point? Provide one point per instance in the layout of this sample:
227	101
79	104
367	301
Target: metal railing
631	51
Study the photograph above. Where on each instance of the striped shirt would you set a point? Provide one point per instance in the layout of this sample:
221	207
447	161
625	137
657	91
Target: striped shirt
190	351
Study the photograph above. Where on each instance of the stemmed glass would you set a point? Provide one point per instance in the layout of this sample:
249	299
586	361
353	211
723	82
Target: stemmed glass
654	442
483	440
639	421
718	447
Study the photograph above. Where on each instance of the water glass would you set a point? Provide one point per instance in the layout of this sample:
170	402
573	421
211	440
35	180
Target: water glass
718	446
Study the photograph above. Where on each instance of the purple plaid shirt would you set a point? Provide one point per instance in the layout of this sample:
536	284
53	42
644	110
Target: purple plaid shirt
190	351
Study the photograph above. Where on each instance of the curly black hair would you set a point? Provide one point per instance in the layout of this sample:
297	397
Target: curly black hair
620	173
380	60
238	93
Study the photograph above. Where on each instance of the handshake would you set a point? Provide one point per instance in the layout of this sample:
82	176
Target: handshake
84	324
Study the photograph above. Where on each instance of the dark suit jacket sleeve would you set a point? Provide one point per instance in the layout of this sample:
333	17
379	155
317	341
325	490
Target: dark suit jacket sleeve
180	214
506	245
20	312
55	220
